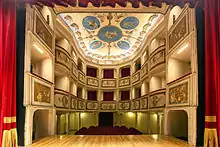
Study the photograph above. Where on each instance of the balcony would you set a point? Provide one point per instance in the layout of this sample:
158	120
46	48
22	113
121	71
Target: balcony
62	58
43	31
108	83
91	81
124	82
41	91
92	105
61	98
81	104
157	57
181	91
136	77
135	104
144	70
108	105
144	102
81	77
73	103
124	105
157	99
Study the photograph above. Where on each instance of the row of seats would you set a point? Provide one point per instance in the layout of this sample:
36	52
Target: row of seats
108	130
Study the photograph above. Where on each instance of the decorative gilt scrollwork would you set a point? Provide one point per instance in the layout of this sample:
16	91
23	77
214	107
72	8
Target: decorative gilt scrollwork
179	94
178	32
108	106
43	32
92	82
42	93
124	82
108	83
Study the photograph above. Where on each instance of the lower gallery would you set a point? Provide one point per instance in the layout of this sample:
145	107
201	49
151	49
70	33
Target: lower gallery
110	75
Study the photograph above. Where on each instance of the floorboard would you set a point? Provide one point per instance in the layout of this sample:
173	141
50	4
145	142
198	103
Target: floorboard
109	141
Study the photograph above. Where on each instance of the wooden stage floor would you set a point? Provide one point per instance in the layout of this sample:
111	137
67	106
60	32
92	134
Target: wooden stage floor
109	141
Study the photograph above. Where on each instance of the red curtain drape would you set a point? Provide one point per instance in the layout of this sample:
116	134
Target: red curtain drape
8	133
108	74
125	95
92	95
108	96
212	62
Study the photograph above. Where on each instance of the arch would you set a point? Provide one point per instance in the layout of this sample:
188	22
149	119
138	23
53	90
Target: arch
174	14
41	124
63	43
45	11
177	124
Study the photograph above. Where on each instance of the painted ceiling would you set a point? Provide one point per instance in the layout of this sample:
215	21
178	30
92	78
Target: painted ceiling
109	36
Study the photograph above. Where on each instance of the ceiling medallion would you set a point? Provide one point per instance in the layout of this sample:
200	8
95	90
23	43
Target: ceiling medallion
129	23
91	22
95	44
123	45
110	34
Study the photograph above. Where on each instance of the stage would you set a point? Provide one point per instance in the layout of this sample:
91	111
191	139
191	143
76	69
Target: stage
109	141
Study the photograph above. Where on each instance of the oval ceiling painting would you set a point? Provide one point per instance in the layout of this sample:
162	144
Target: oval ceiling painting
129	23
123	45
91	22
110	33
95	44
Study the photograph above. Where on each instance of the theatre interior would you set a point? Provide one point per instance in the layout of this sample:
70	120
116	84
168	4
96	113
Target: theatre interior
113	73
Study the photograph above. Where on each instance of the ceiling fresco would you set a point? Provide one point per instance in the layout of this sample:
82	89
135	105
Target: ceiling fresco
109	36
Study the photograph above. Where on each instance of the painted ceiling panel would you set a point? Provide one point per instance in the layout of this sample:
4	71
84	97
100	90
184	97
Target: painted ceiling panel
109	36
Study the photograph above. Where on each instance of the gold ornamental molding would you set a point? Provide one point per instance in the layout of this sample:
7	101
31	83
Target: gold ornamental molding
9	120
210	118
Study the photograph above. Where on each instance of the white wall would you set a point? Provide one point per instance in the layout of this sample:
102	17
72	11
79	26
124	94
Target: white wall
127	119
153	124
157	42
176	69
73	88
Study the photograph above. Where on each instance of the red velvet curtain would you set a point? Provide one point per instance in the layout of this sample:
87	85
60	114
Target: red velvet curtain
92	95
92	72
125	72
212	62
125	95
108	96
8	133
108	74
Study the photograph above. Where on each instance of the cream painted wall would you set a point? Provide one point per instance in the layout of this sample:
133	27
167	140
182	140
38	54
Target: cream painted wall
142	122
143	58
175	11
62	82
44	68
176	69
73	88
144	88
47	69
63	124
89	119
74	121
64	44
153	124
156	43
127	119
155	83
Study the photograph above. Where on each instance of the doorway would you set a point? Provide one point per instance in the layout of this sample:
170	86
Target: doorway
106	119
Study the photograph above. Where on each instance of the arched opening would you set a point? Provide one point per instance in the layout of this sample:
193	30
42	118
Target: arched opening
178	124
41	124
174	14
